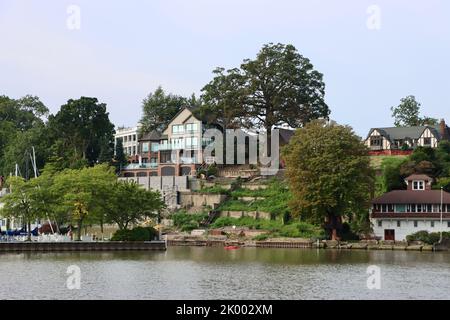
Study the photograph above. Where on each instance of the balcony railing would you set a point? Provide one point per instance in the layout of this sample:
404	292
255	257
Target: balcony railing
134	166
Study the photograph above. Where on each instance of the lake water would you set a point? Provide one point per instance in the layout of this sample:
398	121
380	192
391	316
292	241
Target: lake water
215	273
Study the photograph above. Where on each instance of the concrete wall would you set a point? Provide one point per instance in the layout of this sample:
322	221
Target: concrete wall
240	214
192	199
158	183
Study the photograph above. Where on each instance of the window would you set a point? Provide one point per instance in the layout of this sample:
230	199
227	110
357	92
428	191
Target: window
191	142
419	208
418	185
191	127
432	224
415	223
145	146
134	150
134	137
177	128
383	208
380	223
413	208
398	223
448	224
154	146
390	208
429	208
408	208
375	141
427	141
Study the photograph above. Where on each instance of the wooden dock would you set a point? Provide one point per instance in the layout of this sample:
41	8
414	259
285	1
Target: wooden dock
81	246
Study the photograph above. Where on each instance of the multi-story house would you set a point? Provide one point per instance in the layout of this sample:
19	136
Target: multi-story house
177	151
399	213
396	140
129	137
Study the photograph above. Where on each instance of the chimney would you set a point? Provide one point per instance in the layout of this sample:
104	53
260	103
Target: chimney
443	129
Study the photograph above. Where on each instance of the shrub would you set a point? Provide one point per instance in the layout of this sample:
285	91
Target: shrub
136	234
261	237
426	237
188	222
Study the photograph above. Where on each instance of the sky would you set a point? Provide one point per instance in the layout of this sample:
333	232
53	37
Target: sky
371	53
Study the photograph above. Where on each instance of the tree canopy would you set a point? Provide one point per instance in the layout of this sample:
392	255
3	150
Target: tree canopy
407	114
280	86
158	108
329	174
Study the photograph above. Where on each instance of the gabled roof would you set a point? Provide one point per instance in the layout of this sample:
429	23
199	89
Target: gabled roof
402	133
152	135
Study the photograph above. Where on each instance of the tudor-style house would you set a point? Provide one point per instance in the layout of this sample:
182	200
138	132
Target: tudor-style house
397	139
399	213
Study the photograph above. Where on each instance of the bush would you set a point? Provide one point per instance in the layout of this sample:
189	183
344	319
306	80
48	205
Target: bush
188	222
261	237
136	234
426	237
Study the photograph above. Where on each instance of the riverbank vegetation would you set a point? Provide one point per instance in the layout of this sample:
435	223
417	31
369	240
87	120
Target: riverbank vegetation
77	197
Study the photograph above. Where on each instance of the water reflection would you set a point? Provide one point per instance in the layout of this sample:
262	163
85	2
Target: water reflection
215	273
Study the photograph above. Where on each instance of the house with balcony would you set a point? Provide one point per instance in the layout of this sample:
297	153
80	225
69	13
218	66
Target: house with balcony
398	213
177	151
129	137
402	140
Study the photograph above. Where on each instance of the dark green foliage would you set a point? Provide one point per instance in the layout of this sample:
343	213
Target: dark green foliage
136	234
120	159
276	228
81	128
159	108
279	86
187	222
407	113
427	237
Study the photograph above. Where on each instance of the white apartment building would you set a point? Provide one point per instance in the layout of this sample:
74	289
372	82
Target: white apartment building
129	137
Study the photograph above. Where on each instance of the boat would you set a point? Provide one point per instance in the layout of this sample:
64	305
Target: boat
231	247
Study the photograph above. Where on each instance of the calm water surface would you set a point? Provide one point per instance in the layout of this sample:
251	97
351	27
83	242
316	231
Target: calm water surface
215	273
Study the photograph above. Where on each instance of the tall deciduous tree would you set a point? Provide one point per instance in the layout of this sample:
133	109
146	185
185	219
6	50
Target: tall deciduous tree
159	108
81	128
128	204
23	203
279	87
407	114
329	173
81	193
222	98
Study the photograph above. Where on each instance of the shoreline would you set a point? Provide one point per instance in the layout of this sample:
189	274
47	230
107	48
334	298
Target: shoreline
310	244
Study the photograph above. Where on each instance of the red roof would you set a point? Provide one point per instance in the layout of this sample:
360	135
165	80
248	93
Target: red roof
418	177
413	196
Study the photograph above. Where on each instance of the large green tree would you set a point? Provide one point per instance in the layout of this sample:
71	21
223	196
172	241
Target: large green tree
81	129
128	204
329	173
82	192
23	202
279	86
22	122
159	108
407	114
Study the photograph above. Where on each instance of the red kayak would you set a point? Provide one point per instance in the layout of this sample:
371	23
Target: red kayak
231	247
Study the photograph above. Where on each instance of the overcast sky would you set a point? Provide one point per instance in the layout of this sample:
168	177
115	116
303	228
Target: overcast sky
125	49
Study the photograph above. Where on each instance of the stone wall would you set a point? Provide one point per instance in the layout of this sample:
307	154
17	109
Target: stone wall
193	199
